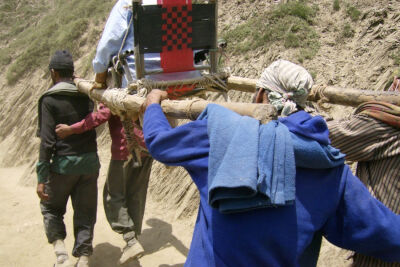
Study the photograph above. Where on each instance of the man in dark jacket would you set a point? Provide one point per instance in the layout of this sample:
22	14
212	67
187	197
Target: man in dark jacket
68	167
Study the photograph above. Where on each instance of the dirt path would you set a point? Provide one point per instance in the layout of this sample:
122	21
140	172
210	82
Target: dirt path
23	242
166	240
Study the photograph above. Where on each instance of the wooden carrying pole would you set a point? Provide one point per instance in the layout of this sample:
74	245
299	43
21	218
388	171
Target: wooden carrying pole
118	99
114	98
329	94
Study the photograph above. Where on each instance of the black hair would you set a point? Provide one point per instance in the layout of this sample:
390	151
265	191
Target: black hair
65	73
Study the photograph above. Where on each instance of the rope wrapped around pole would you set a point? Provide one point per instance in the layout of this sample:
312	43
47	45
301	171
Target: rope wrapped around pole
115	99
180	109
329	94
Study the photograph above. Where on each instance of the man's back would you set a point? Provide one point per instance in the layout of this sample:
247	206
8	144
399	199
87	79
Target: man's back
64	109
66	168
331	201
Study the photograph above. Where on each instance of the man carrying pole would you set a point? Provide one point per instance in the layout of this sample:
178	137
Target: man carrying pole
370	136
248	218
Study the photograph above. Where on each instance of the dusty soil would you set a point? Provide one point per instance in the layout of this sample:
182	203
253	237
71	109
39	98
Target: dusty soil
166	234
166	240
23	242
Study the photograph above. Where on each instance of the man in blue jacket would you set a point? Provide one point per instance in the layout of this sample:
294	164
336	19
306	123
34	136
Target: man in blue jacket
327	199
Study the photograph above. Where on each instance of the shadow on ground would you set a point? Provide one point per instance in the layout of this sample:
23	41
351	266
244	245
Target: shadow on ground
158	237
107	255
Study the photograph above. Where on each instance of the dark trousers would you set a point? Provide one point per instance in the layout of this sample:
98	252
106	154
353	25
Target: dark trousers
83	192
124	196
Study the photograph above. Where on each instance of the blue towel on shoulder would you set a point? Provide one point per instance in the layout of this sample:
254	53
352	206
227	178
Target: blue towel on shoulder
232	169
254	166
239	176
276	173
276	163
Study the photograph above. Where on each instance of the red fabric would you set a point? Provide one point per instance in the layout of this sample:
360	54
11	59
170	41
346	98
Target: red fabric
177	55
385	112
119	150
175	93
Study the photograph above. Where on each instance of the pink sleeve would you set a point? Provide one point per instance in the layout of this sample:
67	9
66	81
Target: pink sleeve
138	135
92	120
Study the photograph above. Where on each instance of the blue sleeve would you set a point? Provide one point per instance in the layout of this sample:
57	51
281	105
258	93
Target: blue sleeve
364	224
113	35
184	145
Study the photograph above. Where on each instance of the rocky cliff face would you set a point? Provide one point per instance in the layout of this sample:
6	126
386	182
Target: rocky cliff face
359	52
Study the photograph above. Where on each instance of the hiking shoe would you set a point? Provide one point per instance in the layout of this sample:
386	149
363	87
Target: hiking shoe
83	261
131	252
61	254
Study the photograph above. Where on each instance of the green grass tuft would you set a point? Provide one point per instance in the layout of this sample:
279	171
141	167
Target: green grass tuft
5	56
35	36
336	5
288	24
353	13
295	9
348	31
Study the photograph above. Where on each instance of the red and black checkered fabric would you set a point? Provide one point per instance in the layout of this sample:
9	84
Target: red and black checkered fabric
177	28
177	54
162	25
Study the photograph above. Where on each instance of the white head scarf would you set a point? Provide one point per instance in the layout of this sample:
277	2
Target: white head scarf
286	85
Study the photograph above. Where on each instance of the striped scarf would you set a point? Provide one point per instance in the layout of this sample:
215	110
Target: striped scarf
287	85
382	111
